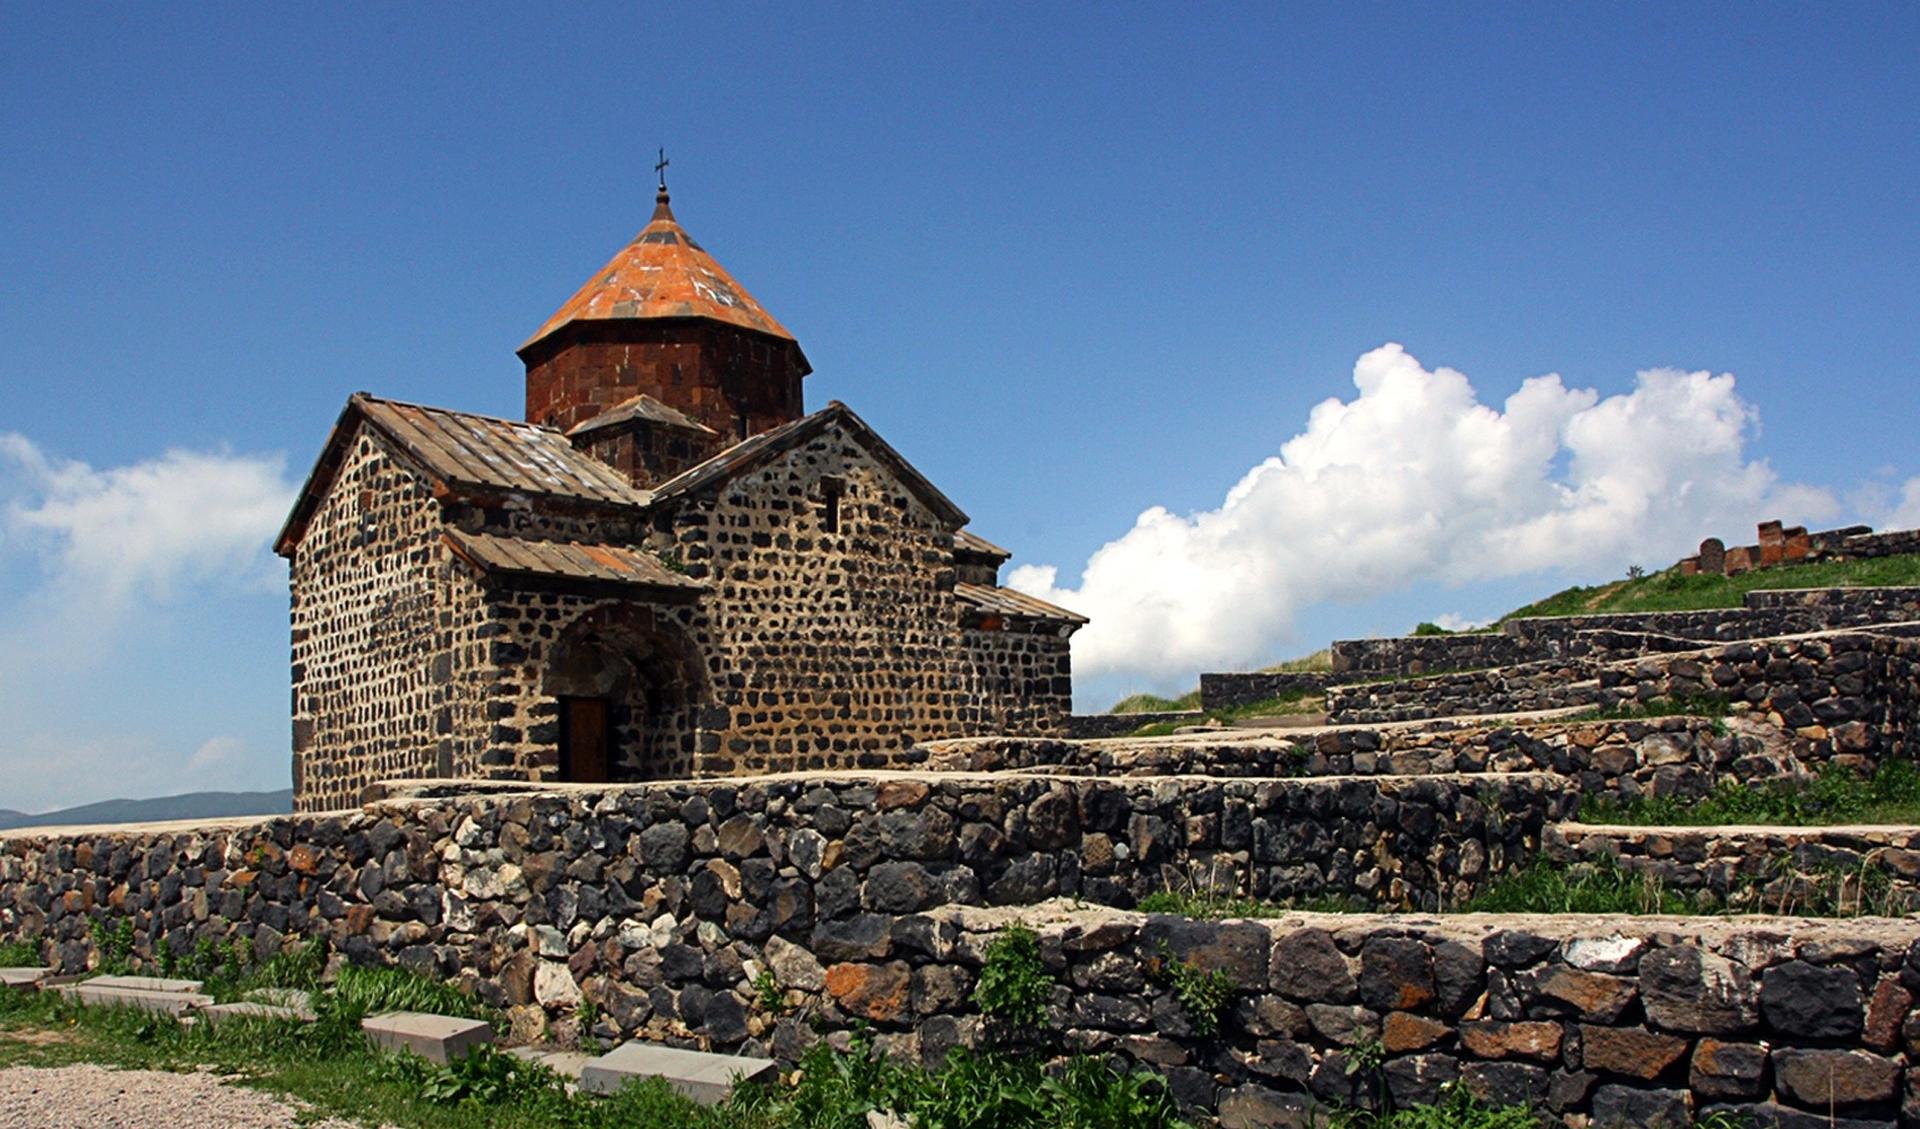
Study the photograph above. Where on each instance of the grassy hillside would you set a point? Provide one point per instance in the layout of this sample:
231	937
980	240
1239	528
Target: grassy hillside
1669	591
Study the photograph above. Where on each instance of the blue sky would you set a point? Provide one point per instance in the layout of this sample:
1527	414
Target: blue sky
1075	262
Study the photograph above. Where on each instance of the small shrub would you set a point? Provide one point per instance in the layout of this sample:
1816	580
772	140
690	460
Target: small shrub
1203	993
766	990
1429	629
1014	986
115	944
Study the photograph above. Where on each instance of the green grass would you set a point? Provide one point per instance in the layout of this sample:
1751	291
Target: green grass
1319	662
1213	905
1154	703
329	1066
20	954
1692	705
1669	591
1547	887
1836	796
1603	887
1457	1110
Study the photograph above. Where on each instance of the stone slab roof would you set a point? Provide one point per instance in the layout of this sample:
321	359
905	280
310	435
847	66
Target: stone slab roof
464	453
1012	604
968	543
758	449
640	407
511	557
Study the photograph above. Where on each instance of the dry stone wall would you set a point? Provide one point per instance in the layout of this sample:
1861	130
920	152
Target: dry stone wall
1615	634
1545	685
1780	870
1670	756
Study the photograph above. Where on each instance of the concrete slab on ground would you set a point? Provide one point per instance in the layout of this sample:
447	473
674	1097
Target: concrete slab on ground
436	1038
219	1013
147	983
95	994
292	999
704	1077
24	979
567	1064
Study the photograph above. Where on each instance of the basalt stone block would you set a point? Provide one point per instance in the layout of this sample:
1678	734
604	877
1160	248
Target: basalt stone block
1396	973
1505	1083
1492	1039
1307	966
1593	996
1800	1000
1631	1051
1512	948
1726	1071
1420	1079
1819	1078
1622	1107
1240	949
1686	988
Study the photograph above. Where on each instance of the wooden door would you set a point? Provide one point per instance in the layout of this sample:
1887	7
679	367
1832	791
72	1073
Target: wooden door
585	740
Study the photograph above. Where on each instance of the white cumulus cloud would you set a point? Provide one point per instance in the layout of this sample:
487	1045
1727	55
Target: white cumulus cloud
1415	479
139	531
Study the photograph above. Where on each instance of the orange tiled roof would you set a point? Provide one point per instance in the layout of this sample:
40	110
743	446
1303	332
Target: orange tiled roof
663	273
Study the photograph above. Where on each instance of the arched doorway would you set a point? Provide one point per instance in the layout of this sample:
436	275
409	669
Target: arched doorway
628	690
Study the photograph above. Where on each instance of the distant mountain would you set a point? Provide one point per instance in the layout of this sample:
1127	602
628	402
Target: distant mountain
191	805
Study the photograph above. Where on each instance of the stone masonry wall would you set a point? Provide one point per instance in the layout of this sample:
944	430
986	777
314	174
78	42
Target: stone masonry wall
1421	654
369	604
828	649
1622	759
1510	689
1641	1022
1231	691
1021	680
1764	613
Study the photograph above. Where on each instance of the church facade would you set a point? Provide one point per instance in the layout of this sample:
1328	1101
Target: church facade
668	569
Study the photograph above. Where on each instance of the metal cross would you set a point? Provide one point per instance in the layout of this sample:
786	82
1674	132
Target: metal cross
661	168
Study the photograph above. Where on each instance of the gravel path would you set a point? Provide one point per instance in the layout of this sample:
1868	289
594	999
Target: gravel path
91	1097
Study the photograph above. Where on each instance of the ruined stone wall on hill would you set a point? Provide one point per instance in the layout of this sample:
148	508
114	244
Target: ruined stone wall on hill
1093	726
1764	613
1510	689
1421	654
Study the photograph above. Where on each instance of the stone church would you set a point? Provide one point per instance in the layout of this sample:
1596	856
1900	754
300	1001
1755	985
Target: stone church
668	569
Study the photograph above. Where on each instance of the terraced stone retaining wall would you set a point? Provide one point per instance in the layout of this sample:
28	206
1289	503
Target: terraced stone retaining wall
1092	726
1840	694
1536	639
1510	689
1818	871
1232	691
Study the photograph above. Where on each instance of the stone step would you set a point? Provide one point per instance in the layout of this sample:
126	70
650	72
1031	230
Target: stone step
94	994
23	979
704	1077
217	1014
436	1038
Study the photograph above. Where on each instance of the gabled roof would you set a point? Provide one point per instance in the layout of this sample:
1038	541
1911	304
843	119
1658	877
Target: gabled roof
967	543
757	450
1012	603
567	561
663	273
642	407
464	453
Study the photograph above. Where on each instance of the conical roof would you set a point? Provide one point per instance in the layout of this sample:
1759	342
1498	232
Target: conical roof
663	273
